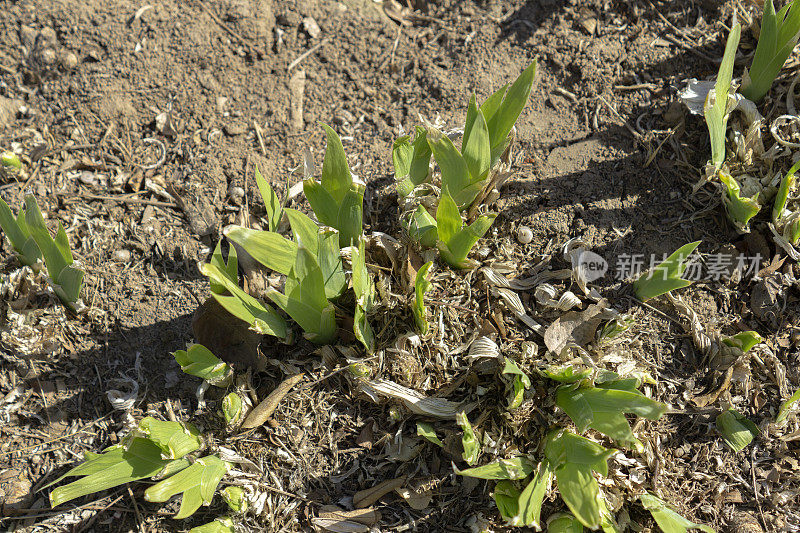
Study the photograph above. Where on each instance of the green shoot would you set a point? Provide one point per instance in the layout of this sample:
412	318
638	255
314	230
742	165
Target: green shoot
603	407
175	439
10	165
425	430
564	523
506	497
421	286
665	277
364	289
197	483
787	183
521	383
235	498
337	199
456	240
456	175
501	110
271	249
421	227
743	341
16	229
30	237
736	430
740	209
668	520
786	407
304	299
717	105
272	204
777	39
531	498
200	362
472	447
574	459
220	525
411	161
232	409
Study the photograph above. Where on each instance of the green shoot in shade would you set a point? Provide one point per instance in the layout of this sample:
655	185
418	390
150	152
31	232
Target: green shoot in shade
786	407
717	104
521	383
776	40
783	193
665	277
421	286
425	430
516	468
411	161
564	523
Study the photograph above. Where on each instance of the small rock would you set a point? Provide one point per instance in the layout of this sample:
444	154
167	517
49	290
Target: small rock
121	256
236	194
235	128
524	235
47	56
311	27
47	38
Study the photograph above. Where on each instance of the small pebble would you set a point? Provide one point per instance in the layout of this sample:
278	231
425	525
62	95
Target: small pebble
236	194
69	61
47	56
524	235
311	27
121	256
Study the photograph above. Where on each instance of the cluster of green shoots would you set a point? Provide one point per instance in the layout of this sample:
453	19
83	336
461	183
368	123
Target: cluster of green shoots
32	242
778	36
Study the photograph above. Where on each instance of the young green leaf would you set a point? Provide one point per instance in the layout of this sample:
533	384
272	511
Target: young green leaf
330	262
744	340
304	299
175	439
532	496
422	228
199	361
665	277
566	374
411	161
472	447
501	120
740	209
272	204
18	235
235	498
350	218
362	329
521	383
272	250
456	177
424	429
116	466
603	408
448	218
615	327
736	429
783	192
777	38
262	318
229	269
220	525
198	483
506	496
564	523
717	104
456	250
515	468
363	287
304	230
421	286
336	177
668	520
476	146
323	204
573	459
232	409
786	407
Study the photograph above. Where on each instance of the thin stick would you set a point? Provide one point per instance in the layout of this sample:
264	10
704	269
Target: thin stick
125	200
304	55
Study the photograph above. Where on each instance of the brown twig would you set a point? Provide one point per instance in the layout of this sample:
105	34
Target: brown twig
126	200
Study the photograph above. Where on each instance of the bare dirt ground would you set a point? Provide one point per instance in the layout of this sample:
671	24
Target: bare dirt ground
141	125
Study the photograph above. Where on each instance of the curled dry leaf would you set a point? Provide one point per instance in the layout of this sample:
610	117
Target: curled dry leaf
576	328
264	410
417	402
334	519
365	498
484	347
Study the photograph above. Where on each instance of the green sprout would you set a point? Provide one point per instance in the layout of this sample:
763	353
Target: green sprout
412	161
272	204
666	276
470	442
740	209
197	483
455	239
220	525
200	362
426	431
10	165
786	407
421	286
777	39
337	199
573	459
232	409
235	498
564	523
16	229
736	430
521	383
603	407
667	519
364	289
718	105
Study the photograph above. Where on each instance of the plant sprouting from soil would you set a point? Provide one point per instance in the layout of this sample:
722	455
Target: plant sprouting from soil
777	38
718	103
666	276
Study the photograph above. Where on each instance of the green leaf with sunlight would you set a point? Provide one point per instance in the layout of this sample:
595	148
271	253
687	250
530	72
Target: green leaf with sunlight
574	458
736	429
718	105
18	234
786	407
668	520
229	269
521	383
777	38
506	497
272	250
515	468
532	496
502	109
456	177
411	161
455	240
175	439
272	204
200	362
421	286
739	209
469	441
787	183
220	525
425	430
665	277
197	484
421	227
